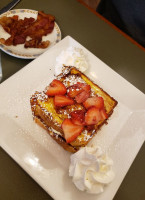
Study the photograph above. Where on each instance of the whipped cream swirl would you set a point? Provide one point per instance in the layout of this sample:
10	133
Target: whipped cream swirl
72	56
91	169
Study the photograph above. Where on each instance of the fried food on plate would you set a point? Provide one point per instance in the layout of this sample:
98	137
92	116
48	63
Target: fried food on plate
27	31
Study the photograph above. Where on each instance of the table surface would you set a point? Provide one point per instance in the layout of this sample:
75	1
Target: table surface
111	47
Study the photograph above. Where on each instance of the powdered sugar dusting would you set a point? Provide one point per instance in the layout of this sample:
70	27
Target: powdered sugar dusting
85	136
72	79
41	96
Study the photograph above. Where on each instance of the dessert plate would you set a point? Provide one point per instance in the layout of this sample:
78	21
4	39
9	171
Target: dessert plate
39	155
19	51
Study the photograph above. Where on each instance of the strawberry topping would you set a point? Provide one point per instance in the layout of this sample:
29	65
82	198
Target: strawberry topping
93	116
61	101
78	117
84	95
80	98
74	90
103	114
98	102
56	87
84	86
90	127
71	131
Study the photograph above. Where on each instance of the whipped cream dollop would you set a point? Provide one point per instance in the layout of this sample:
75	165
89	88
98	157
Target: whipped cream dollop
91	170
72	56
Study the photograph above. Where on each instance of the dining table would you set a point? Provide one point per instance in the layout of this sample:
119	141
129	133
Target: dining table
111	46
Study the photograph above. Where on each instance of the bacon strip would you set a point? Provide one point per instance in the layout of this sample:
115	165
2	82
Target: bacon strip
21	29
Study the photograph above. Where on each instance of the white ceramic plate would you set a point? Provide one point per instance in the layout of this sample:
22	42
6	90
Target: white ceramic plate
39	155
19	51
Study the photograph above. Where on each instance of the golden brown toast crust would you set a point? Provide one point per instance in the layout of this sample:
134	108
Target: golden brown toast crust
45	113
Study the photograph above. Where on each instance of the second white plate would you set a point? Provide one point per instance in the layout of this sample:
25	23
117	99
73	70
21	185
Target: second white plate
30	53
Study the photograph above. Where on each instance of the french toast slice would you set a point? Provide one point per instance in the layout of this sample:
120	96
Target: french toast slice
47	114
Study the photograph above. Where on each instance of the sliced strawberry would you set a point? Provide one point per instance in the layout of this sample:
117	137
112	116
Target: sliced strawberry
90	127
78	117
98	102
86	89
74	90
71	131
103	114
80	98
56	87
61	101
93	116
84	86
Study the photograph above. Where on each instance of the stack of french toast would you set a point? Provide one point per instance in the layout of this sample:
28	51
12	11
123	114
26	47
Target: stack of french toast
72	109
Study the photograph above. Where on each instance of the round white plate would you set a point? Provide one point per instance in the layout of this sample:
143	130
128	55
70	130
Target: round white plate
30	53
